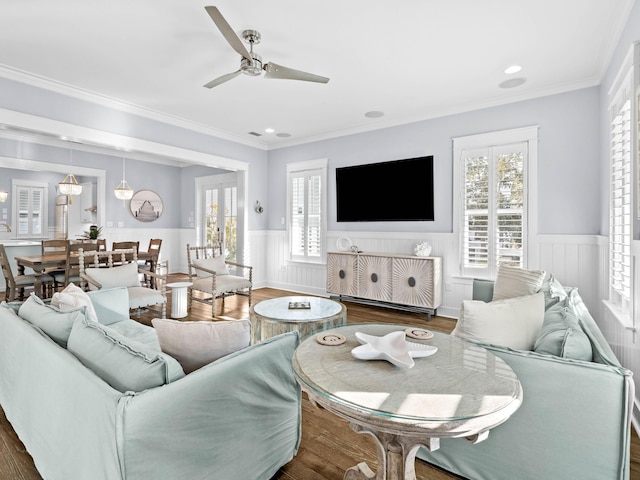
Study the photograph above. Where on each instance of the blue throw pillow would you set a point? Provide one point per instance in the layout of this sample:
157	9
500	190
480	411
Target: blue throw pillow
561	334
110	304
51	320
123	363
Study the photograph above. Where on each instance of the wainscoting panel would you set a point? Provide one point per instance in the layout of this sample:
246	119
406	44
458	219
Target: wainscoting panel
574	261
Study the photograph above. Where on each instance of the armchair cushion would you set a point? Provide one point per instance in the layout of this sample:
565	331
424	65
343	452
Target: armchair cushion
224	283
143	297
512	322
121	276
56	323
195	344
123	363
516	282
217	264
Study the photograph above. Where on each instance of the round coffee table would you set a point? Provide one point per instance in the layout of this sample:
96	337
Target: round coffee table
285	314
462	390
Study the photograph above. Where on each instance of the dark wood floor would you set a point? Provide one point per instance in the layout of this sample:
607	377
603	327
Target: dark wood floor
328	445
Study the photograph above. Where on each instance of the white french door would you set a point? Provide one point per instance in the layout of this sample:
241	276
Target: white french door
220	220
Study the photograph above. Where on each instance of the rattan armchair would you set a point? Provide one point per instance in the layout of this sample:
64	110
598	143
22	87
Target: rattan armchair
209	274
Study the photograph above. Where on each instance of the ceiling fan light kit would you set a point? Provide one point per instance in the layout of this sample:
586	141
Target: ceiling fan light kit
251	63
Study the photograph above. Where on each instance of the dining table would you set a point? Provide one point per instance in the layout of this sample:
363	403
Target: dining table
41	263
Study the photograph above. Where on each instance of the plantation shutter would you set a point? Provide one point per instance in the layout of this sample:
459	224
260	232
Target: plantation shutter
30	211
493	228
306	215
620	215
475	253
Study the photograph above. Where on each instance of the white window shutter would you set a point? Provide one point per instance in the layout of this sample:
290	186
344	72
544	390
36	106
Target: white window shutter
620	215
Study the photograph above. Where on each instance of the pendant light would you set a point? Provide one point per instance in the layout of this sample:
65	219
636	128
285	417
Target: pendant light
70	186
123	191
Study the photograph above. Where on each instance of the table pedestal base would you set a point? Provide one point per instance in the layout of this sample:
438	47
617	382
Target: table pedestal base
396	456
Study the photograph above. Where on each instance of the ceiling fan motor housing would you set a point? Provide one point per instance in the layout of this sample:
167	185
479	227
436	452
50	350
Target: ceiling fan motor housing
252	68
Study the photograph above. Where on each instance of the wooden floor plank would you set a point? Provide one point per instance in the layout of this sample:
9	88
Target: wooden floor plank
328	446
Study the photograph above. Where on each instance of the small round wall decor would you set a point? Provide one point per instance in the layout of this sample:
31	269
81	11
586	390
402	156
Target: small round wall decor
146	206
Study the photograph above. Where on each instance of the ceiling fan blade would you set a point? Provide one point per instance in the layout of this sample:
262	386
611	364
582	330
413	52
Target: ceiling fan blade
222	79
278	71
228	33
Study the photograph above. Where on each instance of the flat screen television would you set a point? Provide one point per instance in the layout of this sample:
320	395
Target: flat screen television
395	191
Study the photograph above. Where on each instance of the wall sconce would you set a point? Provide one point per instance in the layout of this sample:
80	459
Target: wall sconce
3	196
258	208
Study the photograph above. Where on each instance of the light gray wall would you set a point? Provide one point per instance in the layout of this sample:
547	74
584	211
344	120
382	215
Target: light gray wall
165	180
568	172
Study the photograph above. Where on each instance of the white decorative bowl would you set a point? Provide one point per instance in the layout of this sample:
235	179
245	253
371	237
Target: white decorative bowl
393	347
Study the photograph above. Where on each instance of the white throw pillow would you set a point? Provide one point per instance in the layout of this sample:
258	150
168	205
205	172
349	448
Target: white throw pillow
121	276
72	298
514	282
217	264
512	322
195	344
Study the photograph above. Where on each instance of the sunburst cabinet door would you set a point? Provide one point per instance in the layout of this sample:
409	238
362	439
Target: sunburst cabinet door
374	277
416	282
342	274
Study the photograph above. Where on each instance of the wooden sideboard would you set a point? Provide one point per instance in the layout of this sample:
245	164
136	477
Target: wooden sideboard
400	281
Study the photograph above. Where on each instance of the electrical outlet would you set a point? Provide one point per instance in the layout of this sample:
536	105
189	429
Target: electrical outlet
109	224
120	224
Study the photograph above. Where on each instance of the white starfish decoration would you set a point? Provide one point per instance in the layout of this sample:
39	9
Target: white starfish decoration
392	347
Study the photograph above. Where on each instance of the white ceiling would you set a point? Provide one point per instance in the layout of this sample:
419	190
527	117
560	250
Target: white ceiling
412	59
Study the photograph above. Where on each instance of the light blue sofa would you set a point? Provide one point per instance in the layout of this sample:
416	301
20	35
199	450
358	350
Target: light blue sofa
574	421
238	417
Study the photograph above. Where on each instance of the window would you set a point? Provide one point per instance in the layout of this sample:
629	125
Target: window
492	172
621	190
306	193
30	207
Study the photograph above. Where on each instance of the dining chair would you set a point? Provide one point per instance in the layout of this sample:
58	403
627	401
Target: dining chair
71	272
126	246
55	247
151	263
16	284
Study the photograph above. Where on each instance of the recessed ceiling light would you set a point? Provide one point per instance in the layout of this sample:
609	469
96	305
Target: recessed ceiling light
374	114
512	82
269	130
283	135
512	69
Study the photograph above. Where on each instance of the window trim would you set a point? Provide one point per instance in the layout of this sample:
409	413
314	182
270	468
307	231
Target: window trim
528	135
297	167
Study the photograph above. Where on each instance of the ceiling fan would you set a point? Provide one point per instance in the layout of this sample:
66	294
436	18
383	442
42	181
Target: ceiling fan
251	63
